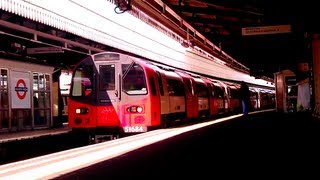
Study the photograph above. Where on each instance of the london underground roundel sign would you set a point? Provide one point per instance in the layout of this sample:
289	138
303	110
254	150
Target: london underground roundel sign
21	89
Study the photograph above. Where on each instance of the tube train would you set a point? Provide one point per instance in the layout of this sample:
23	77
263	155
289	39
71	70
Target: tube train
114	93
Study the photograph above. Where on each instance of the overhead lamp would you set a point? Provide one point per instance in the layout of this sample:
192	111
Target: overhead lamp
122	6
185	44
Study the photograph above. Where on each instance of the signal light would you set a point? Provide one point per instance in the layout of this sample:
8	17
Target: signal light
82	110
135	109
139	109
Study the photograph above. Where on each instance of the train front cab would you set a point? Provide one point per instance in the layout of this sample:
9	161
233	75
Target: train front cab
113	93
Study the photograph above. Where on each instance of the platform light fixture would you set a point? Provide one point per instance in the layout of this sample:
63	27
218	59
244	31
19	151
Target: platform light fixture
122	6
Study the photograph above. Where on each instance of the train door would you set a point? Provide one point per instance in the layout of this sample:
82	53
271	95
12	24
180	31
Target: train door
212	109
191	97
226	100
253	98
218	98
203	97
233	95
164	98
109	94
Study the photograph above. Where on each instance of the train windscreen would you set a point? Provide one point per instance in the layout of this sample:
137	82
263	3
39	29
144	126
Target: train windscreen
107	77
82	82
134	80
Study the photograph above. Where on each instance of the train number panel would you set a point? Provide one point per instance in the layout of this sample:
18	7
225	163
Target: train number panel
134	129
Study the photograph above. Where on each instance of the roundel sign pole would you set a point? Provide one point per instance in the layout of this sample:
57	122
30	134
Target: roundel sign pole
20	89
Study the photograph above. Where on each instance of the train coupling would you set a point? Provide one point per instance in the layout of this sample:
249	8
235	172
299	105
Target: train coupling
102	138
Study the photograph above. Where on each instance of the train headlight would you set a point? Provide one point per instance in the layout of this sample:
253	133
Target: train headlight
139	109
82	110
135	109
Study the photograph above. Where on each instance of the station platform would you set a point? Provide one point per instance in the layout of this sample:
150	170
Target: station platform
263	144
31	134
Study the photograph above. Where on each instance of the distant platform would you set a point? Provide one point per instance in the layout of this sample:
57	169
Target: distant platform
23	135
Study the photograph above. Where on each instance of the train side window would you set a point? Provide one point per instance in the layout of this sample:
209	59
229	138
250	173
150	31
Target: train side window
228	92
107	77
190	87
202	90
175	88
219	92
264	96
212	94
82	81
160	83
153	86
134	82
234	93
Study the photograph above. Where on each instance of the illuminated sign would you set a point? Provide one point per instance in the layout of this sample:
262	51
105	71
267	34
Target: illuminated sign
65	81
44	50
248	31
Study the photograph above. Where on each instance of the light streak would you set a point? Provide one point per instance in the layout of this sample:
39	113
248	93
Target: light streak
56	164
